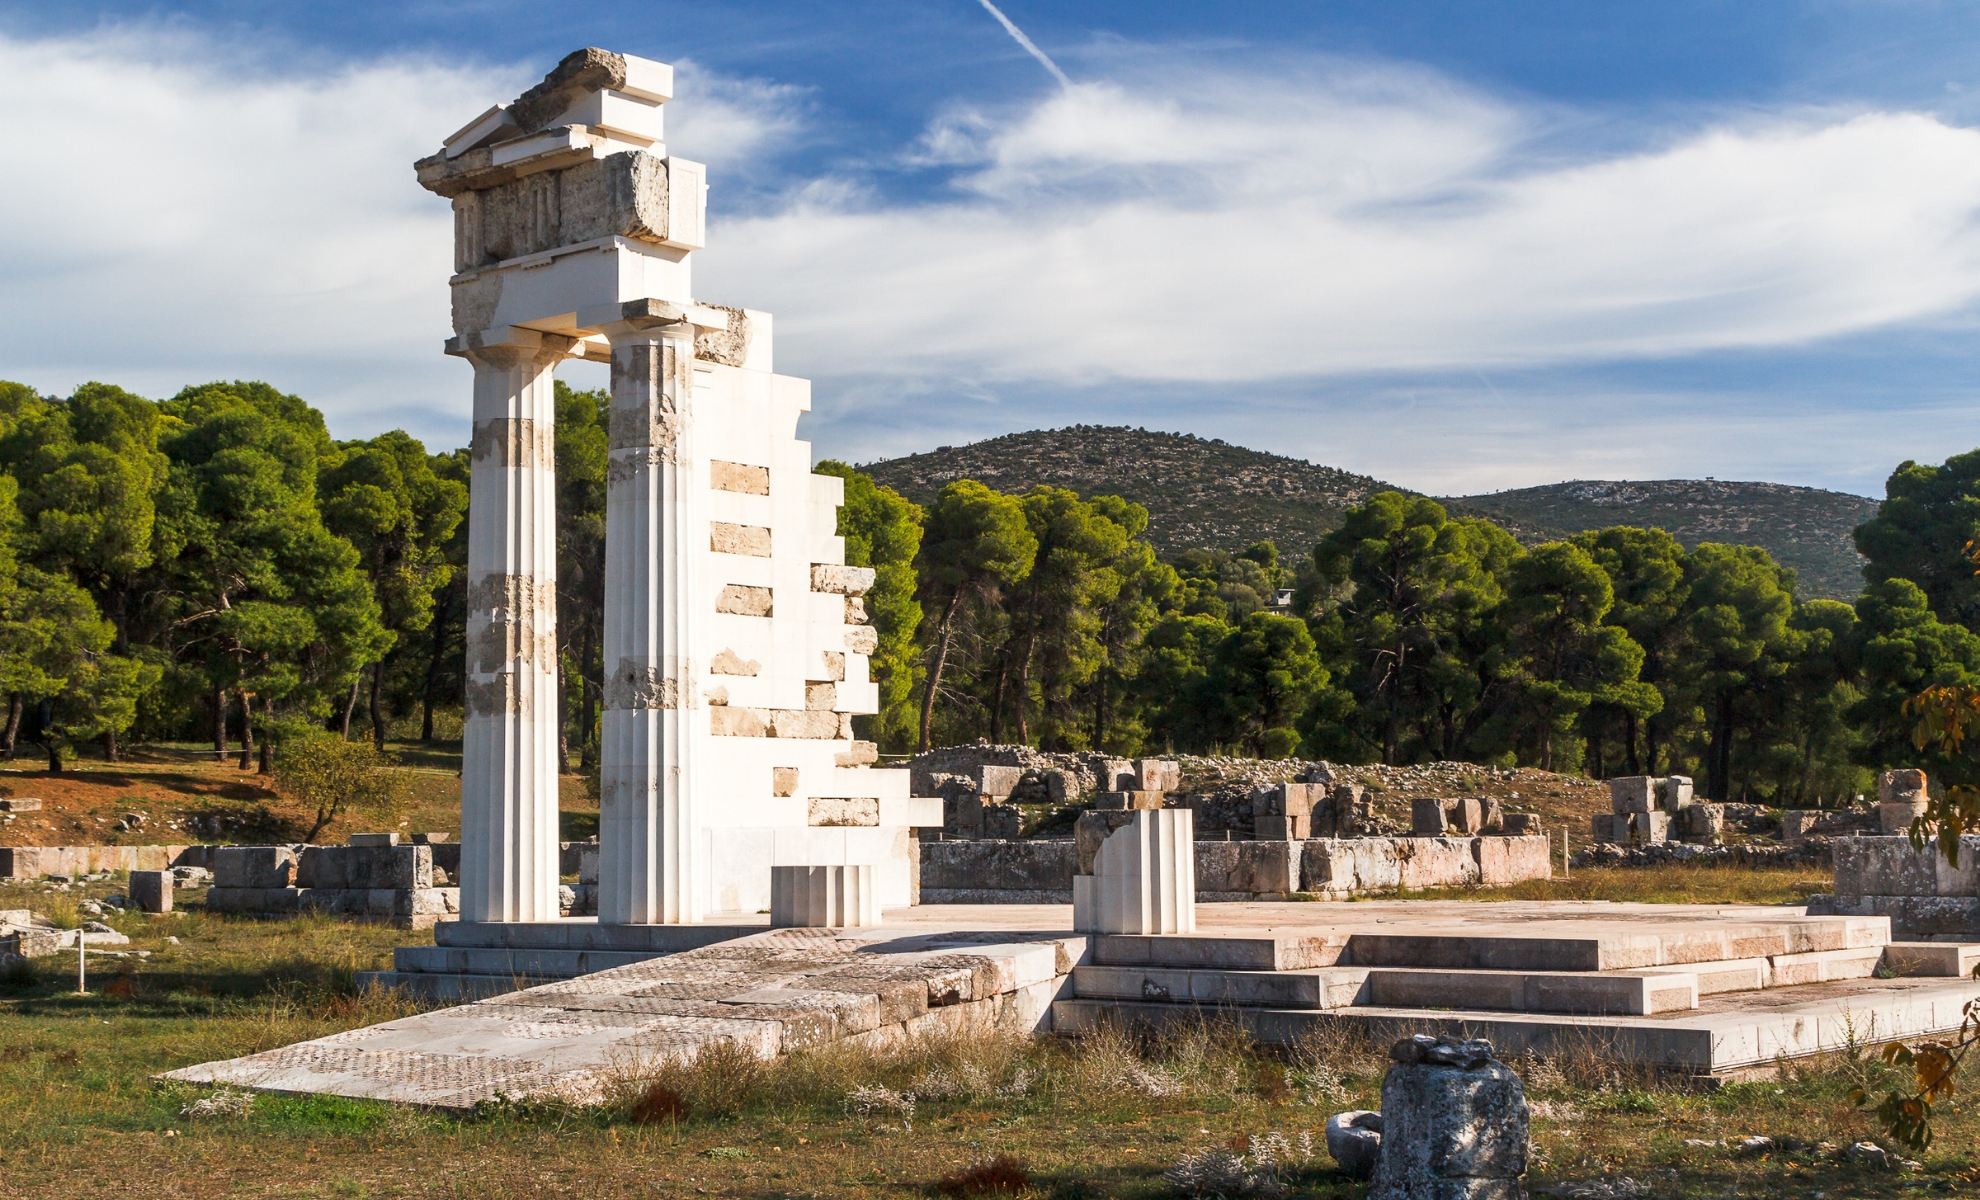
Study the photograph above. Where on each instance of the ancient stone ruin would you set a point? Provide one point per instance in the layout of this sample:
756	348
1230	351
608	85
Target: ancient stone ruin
1454	1124
736	639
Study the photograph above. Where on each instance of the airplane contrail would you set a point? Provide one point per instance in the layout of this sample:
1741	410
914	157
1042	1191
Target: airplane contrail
1030	46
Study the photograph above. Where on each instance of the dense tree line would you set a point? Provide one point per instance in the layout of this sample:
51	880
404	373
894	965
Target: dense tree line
216	567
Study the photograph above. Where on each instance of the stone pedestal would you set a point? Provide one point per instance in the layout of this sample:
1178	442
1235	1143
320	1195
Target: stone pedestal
823	897
1901	799
647	766
151	891
509	743
1454	1124
1143	880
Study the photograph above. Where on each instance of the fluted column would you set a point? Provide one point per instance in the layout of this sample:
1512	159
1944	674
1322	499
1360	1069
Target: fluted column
509	746
653	513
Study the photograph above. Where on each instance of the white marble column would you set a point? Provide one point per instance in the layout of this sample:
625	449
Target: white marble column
654	511
509	746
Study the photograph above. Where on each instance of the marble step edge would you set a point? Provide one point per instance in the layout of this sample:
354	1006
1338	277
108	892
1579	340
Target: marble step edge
1496	951
1700	1043
1338	987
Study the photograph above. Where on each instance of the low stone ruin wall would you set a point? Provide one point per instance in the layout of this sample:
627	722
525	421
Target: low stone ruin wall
1926	898
386	884
991	872
39	862
1041	872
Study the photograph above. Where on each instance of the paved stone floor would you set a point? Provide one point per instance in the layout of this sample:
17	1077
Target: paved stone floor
946	966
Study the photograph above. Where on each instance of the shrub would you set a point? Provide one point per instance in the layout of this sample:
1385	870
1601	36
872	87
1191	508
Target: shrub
339	778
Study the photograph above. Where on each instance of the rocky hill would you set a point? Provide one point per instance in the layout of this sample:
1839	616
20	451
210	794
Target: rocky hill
1199	492
1805	528
1207	493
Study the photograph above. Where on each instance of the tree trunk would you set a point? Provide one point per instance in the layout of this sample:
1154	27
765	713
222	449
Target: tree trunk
1024	696
267	766
997	696
219	700
586	755
1629	743
377	711
14	709
110	745
563	721
247	729
935	674
350	706
1718	756
54	749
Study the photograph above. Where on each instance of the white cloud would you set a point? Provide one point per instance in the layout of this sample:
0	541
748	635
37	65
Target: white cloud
173	215
1232	226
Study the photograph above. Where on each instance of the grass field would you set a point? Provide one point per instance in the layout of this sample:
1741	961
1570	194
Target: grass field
1103	1117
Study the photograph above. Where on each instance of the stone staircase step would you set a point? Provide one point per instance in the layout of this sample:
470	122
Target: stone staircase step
537	963
585	933
1718	978
1623	994
1823	966
432	985
1320	987
1932	958
1721	1036
1223	951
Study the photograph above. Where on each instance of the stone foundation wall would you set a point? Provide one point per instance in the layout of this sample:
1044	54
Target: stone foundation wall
1926	898
408	908
1041	872
35	862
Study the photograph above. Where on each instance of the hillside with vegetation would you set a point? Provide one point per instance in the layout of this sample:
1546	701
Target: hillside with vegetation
1200	493
1808	529
1204	493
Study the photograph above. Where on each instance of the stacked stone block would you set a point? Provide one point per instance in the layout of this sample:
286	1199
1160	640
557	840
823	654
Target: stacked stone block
1648	809
1901	799
1141	786
382	883
983	808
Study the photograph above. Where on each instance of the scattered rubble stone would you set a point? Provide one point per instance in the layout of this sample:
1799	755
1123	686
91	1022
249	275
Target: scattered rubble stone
1355	1141
1815	852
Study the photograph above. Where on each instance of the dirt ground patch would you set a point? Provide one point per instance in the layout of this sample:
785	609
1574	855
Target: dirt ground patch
186	797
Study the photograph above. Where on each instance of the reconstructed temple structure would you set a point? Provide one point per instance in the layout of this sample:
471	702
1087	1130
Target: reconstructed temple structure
735	640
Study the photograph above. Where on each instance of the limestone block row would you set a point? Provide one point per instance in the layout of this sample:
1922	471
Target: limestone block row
966	816
817	724
1139	775
1649	793
35	862
368	868
405	907
1892	866
1016	872
1339	867
1912	918
1042	872
1441	818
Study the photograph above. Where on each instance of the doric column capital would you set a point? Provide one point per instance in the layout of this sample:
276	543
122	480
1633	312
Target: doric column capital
511	346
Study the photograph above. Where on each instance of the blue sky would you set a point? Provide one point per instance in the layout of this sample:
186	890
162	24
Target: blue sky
1458	246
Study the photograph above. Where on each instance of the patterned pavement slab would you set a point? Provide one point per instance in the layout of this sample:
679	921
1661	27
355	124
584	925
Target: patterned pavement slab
772	992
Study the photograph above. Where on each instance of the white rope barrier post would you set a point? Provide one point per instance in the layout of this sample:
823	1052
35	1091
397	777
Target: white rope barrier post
1566	871
81	935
